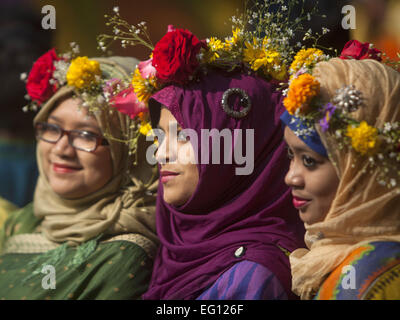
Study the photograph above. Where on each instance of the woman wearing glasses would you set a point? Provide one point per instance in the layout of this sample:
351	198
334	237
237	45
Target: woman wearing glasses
89	233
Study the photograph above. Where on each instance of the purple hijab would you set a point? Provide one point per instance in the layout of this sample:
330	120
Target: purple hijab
227	211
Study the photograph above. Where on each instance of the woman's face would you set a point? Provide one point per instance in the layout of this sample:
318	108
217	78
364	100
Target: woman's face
312	178
178	171
74	173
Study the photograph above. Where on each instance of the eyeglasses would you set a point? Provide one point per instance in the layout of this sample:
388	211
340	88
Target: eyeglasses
81	140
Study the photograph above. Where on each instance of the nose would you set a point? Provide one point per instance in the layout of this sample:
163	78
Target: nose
295	177
63	147
167	150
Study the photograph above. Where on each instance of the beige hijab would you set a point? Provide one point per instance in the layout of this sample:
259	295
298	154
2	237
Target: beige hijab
126	204
362	210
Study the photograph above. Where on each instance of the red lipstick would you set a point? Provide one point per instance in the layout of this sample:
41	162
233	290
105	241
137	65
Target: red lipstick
62	168
167	176
300	202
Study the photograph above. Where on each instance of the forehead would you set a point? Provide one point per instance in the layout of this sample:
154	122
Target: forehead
292	139
71	112
166	117
297	144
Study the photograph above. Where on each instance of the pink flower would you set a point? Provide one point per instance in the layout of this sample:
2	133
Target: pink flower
126	102
170	28
146	69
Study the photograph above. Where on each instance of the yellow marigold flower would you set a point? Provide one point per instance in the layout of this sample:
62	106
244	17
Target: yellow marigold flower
145	128
301	91
363	137
82	72
143	87
305	58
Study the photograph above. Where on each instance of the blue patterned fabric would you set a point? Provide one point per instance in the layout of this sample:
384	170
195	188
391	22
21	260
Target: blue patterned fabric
310	136
370	272
246	280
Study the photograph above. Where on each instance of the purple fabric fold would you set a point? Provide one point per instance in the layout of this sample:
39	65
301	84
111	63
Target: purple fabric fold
227	211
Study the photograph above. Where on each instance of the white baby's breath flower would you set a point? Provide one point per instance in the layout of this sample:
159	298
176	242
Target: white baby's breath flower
387	127
116	9
76	49
325	30
277	67
23	76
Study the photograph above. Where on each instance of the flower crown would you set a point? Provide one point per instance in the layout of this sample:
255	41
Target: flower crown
51	71
302	100
260	43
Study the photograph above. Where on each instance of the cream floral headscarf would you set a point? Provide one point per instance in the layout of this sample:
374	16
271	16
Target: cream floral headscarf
125	204
362	210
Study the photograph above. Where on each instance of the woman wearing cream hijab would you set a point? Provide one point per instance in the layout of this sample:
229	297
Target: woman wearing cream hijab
90	232
348	193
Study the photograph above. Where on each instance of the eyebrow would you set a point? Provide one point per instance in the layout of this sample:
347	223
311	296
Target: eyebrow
78	125
300	149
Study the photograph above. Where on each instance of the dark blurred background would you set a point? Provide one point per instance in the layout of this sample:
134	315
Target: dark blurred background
23	40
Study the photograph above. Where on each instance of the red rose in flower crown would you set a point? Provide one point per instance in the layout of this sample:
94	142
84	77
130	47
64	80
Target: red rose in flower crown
38	86
356	50
175	55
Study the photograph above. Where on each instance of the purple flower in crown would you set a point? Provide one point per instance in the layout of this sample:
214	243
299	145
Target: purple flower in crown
327	110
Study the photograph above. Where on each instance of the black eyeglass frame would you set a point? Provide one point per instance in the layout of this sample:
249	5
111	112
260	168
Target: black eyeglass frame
100	141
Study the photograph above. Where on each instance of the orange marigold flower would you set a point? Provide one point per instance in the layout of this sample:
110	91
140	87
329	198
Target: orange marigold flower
301	91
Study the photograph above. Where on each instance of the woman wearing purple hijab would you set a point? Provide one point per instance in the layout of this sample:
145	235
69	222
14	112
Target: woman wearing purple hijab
223	235
224	215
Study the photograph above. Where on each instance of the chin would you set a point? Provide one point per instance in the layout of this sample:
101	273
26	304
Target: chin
68	193
306	218
174	200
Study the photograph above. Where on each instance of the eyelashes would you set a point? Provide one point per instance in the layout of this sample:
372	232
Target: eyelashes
182	136
307	161
160	137
290	154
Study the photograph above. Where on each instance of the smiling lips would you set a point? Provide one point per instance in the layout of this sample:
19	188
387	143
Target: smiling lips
167	176
62	168
300	203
